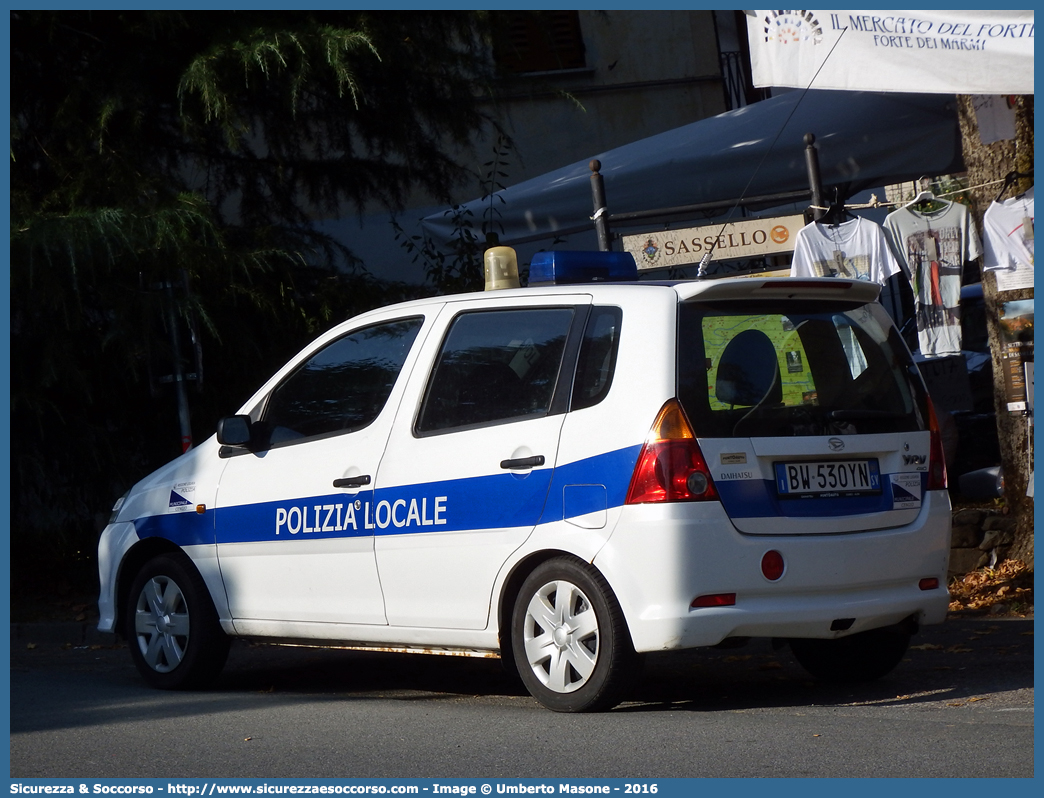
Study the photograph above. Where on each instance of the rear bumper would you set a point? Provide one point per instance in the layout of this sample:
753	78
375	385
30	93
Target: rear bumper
660	558
796	616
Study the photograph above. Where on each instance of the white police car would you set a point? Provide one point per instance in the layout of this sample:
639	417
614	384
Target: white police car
568	475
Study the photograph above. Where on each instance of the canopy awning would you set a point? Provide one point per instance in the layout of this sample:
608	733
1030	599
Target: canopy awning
865	140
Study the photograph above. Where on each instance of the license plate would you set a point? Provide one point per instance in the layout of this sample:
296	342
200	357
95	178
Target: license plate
827	479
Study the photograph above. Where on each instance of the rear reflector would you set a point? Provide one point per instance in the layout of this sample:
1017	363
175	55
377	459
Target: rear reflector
930	583
772	565
715	600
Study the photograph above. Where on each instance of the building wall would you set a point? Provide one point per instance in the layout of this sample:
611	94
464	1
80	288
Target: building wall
644	72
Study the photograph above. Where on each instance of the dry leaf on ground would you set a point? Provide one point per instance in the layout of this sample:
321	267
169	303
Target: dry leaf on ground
1010	584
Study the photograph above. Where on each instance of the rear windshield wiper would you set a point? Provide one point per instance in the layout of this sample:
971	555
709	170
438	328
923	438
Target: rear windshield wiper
854	415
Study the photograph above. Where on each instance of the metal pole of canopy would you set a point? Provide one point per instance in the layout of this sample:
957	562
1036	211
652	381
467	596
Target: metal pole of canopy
601	213
815	183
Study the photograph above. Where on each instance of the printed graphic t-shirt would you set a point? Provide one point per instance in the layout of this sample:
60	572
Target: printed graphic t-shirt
932	249
856	249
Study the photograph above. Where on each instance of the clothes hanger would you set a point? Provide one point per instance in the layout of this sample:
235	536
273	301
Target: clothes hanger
926	197
1009	179
836	212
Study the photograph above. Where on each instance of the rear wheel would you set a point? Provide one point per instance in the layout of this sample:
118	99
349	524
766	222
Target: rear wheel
172	627
860	657
569	639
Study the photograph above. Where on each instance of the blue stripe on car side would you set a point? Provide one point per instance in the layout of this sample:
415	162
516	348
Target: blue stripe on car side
183	529
501	500
487	502
612	470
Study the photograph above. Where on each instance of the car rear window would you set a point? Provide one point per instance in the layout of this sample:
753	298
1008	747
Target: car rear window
779	369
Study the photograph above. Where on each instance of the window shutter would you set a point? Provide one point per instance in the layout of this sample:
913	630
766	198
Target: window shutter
541	41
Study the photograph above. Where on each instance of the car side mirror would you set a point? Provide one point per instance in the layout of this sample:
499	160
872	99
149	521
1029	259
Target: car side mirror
986	483
234	431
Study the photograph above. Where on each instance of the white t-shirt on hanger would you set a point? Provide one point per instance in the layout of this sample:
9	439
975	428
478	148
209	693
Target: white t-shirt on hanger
1007	232
856	249
932	249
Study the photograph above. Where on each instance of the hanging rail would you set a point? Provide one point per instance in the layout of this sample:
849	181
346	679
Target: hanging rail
602	218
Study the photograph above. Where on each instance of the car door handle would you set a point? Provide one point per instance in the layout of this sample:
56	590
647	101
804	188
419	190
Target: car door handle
352	482
523	462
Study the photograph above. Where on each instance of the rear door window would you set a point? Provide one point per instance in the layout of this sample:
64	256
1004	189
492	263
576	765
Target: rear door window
496	366
596	363
786	369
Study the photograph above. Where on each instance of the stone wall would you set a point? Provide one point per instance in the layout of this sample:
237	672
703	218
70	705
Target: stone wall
979	538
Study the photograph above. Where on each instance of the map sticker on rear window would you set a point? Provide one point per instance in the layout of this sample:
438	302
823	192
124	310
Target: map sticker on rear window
906	491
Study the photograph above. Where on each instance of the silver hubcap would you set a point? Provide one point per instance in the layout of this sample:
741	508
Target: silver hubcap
161	624
561	636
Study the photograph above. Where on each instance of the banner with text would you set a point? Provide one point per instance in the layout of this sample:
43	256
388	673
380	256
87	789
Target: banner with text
940	52
749	238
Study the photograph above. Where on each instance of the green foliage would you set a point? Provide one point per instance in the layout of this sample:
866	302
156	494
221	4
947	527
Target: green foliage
461	268
270	52
456	271
195	149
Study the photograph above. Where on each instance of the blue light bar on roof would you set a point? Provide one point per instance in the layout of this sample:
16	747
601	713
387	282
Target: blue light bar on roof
572	268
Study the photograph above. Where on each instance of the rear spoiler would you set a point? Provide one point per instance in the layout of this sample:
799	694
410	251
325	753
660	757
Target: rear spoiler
781	287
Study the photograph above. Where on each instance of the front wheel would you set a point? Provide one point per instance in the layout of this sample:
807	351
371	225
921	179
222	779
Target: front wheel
861	657
172	627
569	638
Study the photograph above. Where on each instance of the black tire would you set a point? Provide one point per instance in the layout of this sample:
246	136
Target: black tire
569	638
172	627
861	657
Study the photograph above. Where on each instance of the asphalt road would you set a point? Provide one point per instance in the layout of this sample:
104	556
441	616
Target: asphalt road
961	705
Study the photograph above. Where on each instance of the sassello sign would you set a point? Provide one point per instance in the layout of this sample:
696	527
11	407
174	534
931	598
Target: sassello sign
748	238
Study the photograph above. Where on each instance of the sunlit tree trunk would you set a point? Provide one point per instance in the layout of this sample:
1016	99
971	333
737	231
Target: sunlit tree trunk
986	163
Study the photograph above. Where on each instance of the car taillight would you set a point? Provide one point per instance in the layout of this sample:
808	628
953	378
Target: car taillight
671	467
937	457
